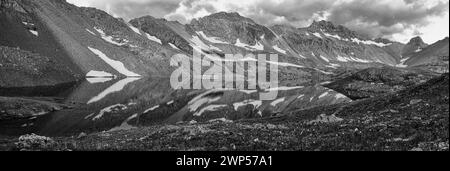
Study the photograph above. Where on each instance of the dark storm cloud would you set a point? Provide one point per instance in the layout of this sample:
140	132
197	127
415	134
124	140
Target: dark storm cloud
381	19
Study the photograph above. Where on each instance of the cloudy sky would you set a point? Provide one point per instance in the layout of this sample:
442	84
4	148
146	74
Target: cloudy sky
398	20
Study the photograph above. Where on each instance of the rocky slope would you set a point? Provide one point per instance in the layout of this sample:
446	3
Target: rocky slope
334	46
415	45
21	68
434	57
88	41
374	82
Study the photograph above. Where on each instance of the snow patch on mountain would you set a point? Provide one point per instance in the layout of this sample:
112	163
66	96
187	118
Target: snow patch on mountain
278	101
200	100
351	59
152	109
324	58
323	95
198	44
240	44
173	46
343	59
153	38
335	66
211	39
284	88
117	65
34	32
317	35
134	29
340	96
279	49
402	63
334	36
257	46
370	42
285	64
89	31
301	56
27	23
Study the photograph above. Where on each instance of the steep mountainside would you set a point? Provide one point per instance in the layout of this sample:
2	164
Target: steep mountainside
88	41
332	45
374	82
415	45
21	68
433	57
30	54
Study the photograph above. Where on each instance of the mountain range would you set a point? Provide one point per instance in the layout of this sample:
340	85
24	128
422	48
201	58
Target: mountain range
49	42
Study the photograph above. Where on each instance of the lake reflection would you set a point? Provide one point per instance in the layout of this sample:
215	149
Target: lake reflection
104	105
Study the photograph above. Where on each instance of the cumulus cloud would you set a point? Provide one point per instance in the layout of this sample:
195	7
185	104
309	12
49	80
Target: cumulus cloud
386	18
394	19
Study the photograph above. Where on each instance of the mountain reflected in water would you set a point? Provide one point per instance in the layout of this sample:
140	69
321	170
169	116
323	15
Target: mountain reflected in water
102	104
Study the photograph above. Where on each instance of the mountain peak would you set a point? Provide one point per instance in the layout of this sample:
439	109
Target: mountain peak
416	44
230	16
222	13
322	24
416	40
